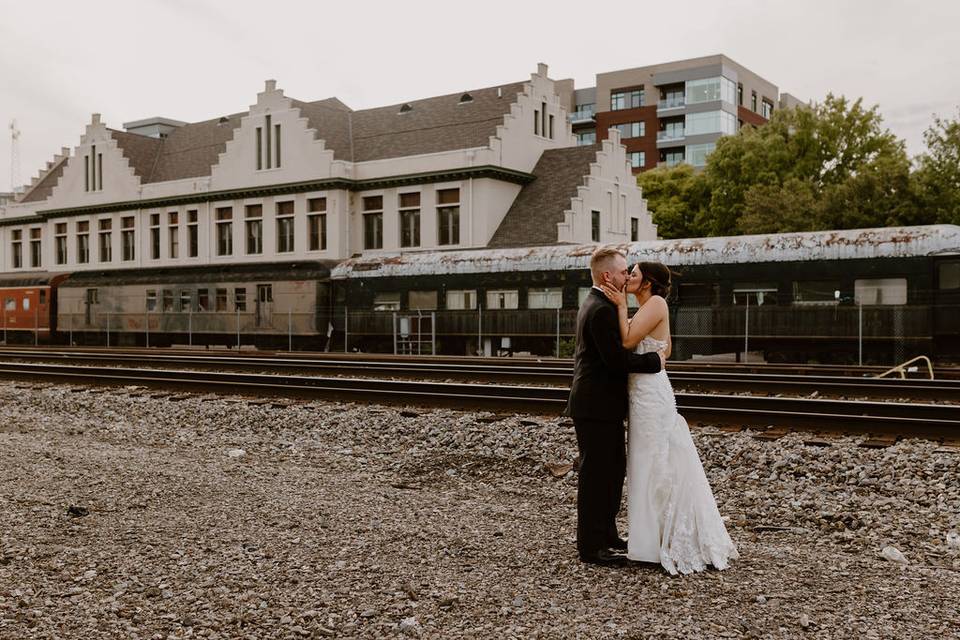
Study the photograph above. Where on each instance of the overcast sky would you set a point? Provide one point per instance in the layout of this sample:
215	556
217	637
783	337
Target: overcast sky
191	60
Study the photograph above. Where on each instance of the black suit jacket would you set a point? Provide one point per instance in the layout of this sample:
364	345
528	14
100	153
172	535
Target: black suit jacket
601	364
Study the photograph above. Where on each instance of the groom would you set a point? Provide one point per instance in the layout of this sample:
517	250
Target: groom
598	406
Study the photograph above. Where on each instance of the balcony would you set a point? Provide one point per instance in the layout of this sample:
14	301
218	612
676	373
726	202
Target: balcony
578	117
668	104
670	135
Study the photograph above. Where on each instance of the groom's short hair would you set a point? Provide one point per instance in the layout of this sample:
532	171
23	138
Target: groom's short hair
601	259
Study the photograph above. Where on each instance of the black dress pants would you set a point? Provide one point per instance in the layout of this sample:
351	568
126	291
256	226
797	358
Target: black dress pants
603	467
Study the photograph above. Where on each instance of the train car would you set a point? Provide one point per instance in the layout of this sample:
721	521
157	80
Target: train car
275	305
29	302
880	295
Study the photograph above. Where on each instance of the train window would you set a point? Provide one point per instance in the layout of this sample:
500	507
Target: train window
462	299
547	298
10	304
167	300
699	294
423	300
582	294
26	303
151	300
816	292
185	301
93	296
754	294
503	299
221	300
240	298
880	291
43	297
264	293
203	300
387	301
949	275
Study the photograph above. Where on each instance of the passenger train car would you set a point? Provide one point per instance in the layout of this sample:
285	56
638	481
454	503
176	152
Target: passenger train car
29	303
798	297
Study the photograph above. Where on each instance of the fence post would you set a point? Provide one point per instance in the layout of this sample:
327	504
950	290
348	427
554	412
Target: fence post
746	331
69	317
4	321
36	325
289	329
860	330
479	328
394	333
147	326
108	330
419	339
558	332
433	333
190	325
346	329
238	329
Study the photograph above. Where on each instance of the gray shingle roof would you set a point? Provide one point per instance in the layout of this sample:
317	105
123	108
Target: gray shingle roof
42	190
533	217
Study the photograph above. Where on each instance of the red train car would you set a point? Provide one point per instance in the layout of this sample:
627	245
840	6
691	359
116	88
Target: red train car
28	306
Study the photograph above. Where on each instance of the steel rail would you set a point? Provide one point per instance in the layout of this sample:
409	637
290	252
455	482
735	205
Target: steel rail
921	420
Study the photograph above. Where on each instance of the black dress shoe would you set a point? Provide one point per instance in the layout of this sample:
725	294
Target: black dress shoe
605	558
618	544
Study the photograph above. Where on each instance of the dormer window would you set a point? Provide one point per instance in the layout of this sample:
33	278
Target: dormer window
405	107
93	170
466	98
268	145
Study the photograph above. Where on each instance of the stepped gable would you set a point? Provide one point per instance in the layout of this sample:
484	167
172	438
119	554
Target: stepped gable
140	151
42	189
432	125
539	207
330	119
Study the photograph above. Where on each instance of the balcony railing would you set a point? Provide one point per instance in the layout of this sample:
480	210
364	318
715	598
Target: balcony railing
671	103
668	134
670	163
581	116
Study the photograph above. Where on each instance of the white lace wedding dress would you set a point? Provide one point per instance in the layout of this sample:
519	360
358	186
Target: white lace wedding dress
673	517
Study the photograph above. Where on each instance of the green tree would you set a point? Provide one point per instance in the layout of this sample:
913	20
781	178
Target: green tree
677	197
937	178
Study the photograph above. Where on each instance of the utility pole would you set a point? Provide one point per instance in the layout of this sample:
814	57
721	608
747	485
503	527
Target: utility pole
14	157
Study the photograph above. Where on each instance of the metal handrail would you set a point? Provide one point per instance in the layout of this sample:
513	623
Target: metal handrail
902	368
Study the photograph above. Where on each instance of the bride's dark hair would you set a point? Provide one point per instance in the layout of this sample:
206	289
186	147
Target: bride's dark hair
659	277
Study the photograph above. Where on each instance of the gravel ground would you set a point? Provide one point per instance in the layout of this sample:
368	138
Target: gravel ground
131	516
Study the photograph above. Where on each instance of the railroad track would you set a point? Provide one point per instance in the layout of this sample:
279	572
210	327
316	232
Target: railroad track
895	419
496	370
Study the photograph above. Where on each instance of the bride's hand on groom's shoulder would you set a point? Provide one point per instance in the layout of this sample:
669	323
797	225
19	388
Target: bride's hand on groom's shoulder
615	295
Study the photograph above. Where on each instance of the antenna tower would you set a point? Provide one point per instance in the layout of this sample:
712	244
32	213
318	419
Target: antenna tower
14	157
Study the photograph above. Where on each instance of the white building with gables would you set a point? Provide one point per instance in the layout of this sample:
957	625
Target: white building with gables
289	181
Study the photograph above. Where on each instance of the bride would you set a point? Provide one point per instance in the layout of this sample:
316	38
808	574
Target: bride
673	518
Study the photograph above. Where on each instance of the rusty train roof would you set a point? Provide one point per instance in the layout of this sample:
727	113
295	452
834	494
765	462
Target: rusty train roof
853	244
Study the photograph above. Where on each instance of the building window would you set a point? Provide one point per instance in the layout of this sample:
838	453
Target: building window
167	301
409	219
285	240
631	129
696	154
710	90
35	247
106	240
422	300
626	99
586	137
127	238
240	299
766	108
155	236
948	275
503	299
536	122
259	136
254	228
740	94
224	231
276	144
672	157
448	216
462	299
634	229
550	122
193	233
16	248
93	170
710	122
753	101
547	298
221	300
637	159
83	242
60	232
373	222
203	300
880	291
173	231
317	223
386	301
816	292
595	226
151	300
543	118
